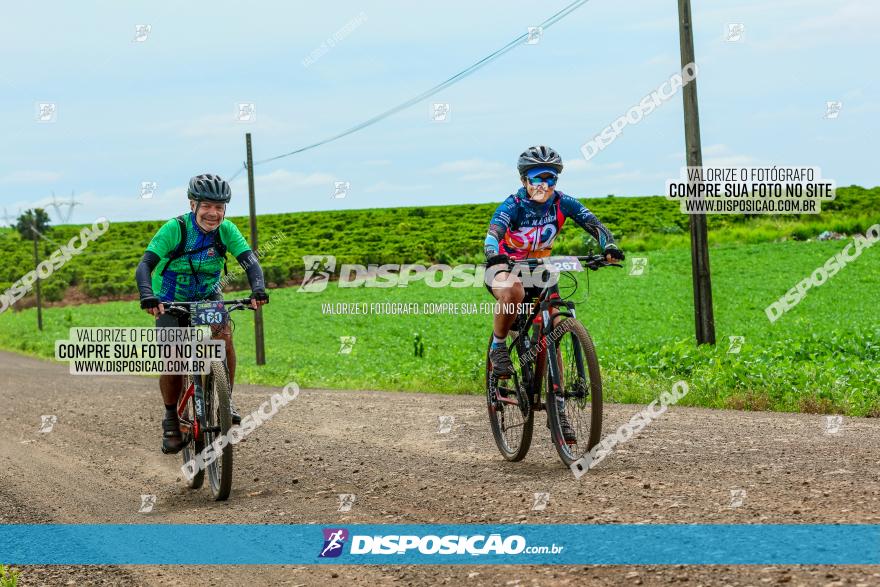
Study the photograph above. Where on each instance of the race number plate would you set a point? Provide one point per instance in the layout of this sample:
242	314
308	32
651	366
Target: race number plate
209	313
565	263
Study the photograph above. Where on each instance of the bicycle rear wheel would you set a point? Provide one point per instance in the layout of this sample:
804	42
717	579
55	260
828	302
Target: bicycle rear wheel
195	445
219	420
574	389
510	414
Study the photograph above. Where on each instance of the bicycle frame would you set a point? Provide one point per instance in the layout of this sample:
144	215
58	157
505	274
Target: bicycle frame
541	316
197	424
196	388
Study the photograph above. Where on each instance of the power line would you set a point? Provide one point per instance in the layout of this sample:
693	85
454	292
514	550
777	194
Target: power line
428	93
237	173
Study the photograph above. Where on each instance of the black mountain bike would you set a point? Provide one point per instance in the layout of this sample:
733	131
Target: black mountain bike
549	340
204	406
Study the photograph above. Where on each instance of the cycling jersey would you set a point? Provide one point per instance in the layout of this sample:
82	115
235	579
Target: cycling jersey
175	280
521	228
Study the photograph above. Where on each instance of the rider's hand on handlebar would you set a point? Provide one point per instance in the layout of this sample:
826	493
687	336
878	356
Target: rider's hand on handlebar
613	254
500	259
258	298
153	306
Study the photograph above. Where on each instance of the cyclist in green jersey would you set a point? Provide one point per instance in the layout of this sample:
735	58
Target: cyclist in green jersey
182	263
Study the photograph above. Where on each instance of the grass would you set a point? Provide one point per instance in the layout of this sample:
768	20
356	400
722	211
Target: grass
8	576
822	356
436	234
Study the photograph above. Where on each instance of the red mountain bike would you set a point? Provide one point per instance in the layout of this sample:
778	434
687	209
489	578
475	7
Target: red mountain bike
204	406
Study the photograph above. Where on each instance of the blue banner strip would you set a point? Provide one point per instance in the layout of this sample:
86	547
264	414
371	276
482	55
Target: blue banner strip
221	544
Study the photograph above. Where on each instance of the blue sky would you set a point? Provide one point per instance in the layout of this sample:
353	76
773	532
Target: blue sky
165	109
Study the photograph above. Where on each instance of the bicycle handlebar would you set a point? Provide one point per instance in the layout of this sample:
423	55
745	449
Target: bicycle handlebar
594	262
230	305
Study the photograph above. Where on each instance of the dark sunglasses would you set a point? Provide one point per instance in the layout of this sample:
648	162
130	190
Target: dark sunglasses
550	181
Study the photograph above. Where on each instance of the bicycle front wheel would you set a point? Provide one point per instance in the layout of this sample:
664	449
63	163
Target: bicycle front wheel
219	421
574	394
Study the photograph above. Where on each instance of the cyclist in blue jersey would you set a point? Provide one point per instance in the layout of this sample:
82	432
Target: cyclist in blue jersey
524	226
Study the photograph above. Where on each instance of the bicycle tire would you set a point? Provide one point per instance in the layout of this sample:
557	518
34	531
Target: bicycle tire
512	447
578	396
195	445
219	413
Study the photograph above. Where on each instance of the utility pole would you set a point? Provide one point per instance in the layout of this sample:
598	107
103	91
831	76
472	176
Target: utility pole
704	316
37	283
259	343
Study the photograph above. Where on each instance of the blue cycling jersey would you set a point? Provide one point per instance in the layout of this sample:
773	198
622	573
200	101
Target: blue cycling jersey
521	228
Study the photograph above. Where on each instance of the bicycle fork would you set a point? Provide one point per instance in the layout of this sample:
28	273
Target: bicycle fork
200	420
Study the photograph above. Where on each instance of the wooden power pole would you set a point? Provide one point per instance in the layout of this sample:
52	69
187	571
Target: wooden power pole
39	297
259	343
704	316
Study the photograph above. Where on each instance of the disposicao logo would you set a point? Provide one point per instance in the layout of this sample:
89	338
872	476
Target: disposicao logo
334	540
432	544
474	545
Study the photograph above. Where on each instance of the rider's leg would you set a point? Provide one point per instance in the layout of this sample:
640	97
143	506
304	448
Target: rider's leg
508	290
169	386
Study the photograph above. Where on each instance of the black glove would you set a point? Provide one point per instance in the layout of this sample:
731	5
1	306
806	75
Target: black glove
615	253
500	259
260	296
148	303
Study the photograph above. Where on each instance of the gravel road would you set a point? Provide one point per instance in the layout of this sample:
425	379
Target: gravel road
103	454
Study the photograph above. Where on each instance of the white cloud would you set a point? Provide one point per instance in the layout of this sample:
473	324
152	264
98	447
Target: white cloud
474	166
634	175
661	24
713	150
849	21
662	59
225	126
30	176
581	164
290	179
828	24
719	155
481	176
384	186
274	192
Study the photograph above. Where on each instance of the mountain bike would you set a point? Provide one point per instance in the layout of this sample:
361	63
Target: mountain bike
204	406
548	343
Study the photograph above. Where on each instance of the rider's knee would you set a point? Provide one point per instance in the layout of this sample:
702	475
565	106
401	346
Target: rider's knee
513	295
519	292
513	292
221	331
170	379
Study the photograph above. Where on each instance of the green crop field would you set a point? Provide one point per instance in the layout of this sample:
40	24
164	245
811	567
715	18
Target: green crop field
438	234
822	356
